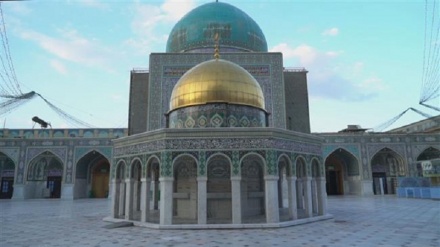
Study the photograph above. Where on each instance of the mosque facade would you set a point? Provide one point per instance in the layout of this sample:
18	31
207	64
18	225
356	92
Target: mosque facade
218	133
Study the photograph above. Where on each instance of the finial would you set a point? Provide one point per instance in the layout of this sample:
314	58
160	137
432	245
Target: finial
216	49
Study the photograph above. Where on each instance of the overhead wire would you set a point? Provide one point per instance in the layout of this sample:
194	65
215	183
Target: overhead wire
9	69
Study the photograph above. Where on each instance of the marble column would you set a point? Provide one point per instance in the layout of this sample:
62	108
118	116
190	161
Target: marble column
166	200
236	200
115	197
271	199
308	196
300	193
136	195
121	196
201	200
293	210
314	195
145	203
322	196
155	189
129	198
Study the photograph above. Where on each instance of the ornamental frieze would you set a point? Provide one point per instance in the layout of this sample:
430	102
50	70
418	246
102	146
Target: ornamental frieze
217	144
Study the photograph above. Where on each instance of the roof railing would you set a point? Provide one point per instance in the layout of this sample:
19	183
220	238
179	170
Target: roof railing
294	69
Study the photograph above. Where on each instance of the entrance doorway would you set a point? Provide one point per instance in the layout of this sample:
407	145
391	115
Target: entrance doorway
7	189
334	181
100	180
54	186
380	183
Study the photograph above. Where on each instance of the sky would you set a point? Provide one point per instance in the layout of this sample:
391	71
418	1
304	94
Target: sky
365	58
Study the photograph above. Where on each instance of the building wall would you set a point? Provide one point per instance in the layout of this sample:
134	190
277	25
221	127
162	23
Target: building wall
297	101
166	69
138	104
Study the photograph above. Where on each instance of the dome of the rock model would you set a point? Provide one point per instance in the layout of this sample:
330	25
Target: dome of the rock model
196	30
217	81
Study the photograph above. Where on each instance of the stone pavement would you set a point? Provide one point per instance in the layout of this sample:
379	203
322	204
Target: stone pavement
359	221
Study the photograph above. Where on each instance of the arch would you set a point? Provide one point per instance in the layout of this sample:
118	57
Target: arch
135	181
7	173
184	190
284	187
220	154
329	151
316	174
219	189
301	167
253	188
428	153
386	166
120	169
44	175
152	172
301	183
120	198
342	173
92	171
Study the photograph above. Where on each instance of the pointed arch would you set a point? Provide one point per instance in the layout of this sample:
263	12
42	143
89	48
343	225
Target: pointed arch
386	166
91	175
219	189
7	174
253	168
428	153
185	189
45	173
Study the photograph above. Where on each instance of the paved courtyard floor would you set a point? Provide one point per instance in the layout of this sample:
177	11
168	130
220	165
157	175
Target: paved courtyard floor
358	221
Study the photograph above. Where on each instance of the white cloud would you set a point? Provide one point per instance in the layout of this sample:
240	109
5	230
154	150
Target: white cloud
58	66
149	20
331	32
71	46
324	79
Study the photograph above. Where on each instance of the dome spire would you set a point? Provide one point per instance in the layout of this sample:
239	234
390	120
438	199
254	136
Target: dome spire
216	49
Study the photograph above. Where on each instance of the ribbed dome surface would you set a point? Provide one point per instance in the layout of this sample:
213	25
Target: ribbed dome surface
197	29
217	81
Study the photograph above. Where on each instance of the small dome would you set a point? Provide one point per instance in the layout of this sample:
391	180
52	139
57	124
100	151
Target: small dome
217	81
196	30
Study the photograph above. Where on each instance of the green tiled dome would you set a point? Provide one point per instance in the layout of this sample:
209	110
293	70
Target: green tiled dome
197	29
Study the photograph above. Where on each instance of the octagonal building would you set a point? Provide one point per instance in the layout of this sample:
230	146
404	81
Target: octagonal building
218	133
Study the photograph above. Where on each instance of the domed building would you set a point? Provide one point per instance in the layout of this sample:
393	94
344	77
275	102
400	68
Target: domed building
213	139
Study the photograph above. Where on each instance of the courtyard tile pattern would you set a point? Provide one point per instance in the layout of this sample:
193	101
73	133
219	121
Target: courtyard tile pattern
358	221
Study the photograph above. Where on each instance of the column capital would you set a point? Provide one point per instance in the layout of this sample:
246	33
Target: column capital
129	180
292	178
202	179
145	180
320	179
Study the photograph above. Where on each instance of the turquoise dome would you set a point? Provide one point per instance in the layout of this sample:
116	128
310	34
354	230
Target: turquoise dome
237	31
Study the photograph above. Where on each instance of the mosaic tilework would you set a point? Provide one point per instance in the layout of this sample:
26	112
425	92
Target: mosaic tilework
165	68
217	115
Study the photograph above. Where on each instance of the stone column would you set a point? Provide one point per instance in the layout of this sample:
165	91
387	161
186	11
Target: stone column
129	198
155	189
136	195
115	197
300	193
166	200
201	200
145	203
236	200
314	195
322	196
293	210
308	196
121	197
271	199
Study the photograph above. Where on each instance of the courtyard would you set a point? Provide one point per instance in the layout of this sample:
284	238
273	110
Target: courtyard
358	221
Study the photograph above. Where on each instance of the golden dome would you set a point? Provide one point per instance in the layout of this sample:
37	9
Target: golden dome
217	81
